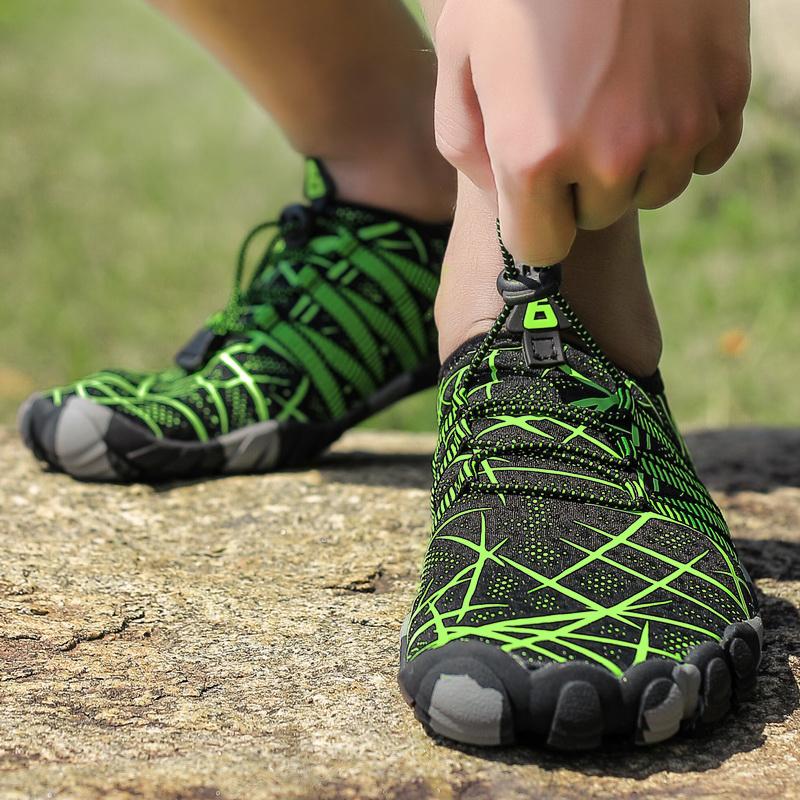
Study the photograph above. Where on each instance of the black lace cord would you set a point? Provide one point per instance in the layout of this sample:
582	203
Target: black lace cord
295	227
227	320
601	463
510	268
588	418
511	272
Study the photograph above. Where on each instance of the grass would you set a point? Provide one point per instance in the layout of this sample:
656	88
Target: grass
132	166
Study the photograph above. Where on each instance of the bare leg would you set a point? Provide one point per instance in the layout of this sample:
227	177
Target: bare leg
350	81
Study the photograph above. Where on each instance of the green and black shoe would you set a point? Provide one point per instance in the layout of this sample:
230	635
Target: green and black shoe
580	583
335	324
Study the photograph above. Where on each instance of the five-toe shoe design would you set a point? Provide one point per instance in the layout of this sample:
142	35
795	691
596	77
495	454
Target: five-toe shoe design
335	324
580	583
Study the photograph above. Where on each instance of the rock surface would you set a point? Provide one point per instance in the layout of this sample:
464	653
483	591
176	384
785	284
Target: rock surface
237	638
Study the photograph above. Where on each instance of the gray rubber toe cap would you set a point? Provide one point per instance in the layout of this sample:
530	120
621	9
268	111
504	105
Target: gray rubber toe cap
25	420
69	437
79	442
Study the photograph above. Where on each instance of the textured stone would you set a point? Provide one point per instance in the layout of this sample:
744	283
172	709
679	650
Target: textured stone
237	638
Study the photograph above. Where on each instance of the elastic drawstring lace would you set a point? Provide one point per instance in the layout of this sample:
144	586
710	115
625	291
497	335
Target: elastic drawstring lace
229	319
612	410
293	230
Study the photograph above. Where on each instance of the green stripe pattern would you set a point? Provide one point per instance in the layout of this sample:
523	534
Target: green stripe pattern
326	323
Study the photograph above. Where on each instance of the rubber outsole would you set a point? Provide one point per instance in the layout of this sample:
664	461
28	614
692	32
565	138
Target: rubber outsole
475	693
91	441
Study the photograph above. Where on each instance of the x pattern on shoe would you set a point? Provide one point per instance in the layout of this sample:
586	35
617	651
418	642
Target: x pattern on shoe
568	521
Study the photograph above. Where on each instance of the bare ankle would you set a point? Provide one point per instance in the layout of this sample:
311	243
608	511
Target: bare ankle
604	281
410	179
468	302
606	284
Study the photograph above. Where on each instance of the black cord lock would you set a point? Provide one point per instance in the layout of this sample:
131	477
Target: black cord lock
529	292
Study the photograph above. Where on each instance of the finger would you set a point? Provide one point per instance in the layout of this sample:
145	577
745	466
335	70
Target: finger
599	204
458	121
537	218
715	154
664	178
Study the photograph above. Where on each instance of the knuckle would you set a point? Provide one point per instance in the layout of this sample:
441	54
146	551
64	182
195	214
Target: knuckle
693	130
656	136
518	161
657	195
650	202
555	251
599	220
533	251
456	152
619	163
555	255
732	100
545	258
529	171
713	159
620	157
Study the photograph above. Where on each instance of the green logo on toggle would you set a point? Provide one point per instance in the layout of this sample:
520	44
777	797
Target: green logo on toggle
539	315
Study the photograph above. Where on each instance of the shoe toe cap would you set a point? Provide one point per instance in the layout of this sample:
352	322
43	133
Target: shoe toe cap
37	420
69	437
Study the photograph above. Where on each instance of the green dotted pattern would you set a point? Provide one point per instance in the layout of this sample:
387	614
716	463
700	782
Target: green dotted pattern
568	520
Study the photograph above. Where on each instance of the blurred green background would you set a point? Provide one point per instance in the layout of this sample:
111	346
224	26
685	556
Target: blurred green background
131	166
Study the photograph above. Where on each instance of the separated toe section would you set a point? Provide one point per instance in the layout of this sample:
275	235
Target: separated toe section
70	437
467	691
37	421
80	440
91	441
475	693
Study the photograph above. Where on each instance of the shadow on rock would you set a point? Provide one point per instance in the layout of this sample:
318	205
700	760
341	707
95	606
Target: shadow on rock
747	459
393	470
360	467
738	459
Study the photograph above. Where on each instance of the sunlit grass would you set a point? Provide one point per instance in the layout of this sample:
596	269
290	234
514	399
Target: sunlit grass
132	166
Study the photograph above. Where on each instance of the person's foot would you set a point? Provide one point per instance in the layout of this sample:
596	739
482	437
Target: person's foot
335	324
580	582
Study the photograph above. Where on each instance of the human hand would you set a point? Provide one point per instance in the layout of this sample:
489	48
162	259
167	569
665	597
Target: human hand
573	111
